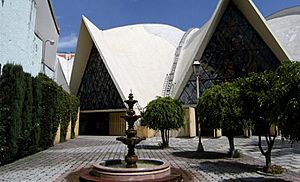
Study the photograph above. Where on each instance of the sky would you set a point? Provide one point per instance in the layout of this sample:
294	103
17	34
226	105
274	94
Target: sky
106	14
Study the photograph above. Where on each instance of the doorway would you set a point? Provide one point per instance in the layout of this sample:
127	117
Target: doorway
94	124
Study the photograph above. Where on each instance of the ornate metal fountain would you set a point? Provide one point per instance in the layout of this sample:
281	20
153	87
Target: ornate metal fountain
131	140
132	168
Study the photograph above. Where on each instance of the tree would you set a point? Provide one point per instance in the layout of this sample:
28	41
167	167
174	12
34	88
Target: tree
260	95
164	114
290	101
12	95
219	107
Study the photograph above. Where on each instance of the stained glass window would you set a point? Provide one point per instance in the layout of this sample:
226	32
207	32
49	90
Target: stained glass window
97	90
234	50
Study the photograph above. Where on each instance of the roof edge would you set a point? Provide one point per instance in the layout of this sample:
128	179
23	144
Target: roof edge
293	10
54	16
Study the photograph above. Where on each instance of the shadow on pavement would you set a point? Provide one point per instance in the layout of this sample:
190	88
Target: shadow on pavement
222	167
200	155
255	179
149	147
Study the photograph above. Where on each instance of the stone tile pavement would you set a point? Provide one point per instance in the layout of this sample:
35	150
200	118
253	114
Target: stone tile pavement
57	162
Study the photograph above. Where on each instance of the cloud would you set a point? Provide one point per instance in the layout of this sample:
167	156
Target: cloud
67	42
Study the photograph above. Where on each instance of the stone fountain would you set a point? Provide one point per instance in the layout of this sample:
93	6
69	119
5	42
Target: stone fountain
132	168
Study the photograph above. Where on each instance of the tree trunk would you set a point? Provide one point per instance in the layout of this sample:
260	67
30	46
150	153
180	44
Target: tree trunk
231	143
270	142
163	137
167	137
200	146
268	161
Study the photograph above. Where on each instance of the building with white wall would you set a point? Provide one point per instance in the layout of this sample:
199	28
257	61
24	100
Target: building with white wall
63	69
66	61
29	35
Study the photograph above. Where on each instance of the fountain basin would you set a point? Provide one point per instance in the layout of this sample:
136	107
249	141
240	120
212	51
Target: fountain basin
148	169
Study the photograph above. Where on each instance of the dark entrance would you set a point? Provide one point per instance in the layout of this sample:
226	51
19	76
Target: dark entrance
94	124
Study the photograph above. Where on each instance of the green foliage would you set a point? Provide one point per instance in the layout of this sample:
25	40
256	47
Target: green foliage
237	154
274	169
57	108
30	111
25	142
74	105
164	114
12	94
63	113
260	98
290	101
219	107
36	114
260	94
49	121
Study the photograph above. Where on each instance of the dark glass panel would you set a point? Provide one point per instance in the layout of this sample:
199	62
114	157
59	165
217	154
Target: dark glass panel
97	90
234	51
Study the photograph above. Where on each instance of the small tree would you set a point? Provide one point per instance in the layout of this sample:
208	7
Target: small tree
290	101
219	107
164	114
260	98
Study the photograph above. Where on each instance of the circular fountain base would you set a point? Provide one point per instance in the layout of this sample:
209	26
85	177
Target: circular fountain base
115	170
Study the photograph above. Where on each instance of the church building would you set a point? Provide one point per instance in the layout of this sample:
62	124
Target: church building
153	60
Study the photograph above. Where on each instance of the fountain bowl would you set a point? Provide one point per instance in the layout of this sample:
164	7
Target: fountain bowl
115	170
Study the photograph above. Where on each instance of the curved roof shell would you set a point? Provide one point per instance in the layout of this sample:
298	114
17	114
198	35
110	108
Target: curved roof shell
138	57
285	25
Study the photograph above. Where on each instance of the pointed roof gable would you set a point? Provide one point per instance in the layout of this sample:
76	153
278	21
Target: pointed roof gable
137	57
83	49
203	36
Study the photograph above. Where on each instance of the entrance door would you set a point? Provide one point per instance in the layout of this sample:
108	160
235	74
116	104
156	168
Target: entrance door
94	124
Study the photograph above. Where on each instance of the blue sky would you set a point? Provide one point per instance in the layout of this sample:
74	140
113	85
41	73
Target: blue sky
106	14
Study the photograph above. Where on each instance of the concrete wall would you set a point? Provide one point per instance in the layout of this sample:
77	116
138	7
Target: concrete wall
25	24
68	136
60	78
188	130
47	29
18	42
117	125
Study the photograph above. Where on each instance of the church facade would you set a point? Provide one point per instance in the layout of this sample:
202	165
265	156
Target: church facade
152	60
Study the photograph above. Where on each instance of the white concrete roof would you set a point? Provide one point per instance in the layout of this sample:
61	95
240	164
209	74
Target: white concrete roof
59	77
286	27
295	10
66	61
137	57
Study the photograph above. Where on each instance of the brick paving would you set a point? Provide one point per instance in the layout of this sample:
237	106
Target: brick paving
57	162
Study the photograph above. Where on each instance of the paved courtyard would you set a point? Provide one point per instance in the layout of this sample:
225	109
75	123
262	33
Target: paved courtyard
57	162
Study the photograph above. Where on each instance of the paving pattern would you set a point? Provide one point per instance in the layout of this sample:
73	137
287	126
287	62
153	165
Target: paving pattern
57	162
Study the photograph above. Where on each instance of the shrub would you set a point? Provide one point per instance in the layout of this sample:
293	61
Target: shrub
12	94
164	114
31	110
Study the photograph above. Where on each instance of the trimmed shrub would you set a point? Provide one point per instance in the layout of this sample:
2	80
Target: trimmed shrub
49	121
25	141
12	98
31	110
74	104
164	114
